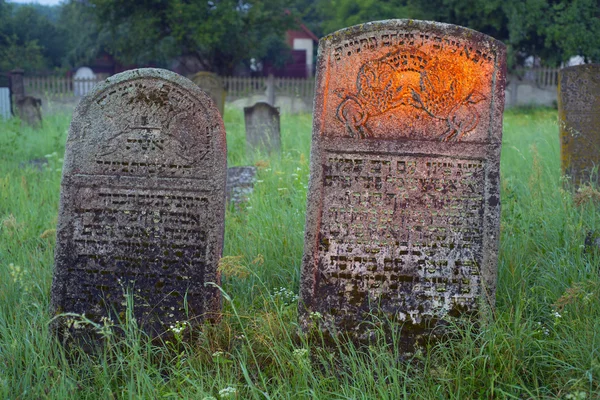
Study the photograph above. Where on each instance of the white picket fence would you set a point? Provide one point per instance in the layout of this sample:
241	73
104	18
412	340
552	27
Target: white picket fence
237	87
242	86
58	85
540	76
5	103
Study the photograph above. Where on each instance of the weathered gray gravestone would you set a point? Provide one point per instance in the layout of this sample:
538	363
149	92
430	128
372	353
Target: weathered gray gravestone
579	117
28	108
30	111
212	84
403	200
142	203
262	128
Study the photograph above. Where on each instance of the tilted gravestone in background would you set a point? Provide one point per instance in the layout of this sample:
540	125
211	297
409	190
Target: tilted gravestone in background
29	109
142	203
579	116
212	84
403	201
262	128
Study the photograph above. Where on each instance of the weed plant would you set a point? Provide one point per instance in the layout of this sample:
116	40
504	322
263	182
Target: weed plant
543	341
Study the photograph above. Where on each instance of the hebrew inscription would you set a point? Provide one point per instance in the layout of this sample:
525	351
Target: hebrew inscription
142	203
402	231
579	120
403	204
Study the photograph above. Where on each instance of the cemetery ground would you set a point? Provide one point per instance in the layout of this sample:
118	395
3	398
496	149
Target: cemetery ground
542	342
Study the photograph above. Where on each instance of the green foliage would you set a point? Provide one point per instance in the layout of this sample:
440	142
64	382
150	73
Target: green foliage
29	38
541	343
84	41
551	30
339	14
20	55
218	34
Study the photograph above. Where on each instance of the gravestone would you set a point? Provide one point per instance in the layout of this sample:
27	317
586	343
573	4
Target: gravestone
579	120
212	84
83	81
262	128
29	109
403	201
142	203
240	183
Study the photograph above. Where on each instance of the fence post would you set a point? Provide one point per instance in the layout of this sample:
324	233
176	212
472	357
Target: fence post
16	85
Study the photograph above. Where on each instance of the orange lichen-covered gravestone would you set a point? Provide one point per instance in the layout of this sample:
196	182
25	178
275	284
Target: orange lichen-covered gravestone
403	203
579	114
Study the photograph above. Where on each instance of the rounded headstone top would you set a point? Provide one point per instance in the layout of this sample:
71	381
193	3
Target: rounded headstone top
424	27
84	72
581	67
144	73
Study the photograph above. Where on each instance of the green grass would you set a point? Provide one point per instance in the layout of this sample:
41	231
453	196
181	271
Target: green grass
543	342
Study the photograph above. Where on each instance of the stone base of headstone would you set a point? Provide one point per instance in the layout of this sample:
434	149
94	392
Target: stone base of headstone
240	183
29	109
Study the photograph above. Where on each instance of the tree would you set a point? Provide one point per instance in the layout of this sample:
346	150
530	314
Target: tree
84	40
553	30
28	38
219	34
343	13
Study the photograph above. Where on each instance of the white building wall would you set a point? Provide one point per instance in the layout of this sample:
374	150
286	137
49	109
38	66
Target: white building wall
306	44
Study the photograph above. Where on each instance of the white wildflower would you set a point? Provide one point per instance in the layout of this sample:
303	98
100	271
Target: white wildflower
227	392
300	353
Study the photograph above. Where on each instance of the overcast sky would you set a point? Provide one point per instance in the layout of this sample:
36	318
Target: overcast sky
45	2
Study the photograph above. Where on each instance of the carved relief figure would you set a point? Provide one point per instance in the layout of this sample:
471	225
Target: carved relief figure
161	126
434	87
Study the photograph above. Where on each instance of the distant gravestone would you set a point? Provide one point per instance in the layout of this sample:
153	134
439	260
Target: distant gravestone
83	81
262	128
240	183
142	203
579	116
212	84
403	201
29	109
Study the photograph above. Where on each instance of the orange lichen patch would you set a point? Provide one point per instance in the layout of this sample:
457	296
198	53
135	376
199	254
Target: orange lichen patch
262	164
421	88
